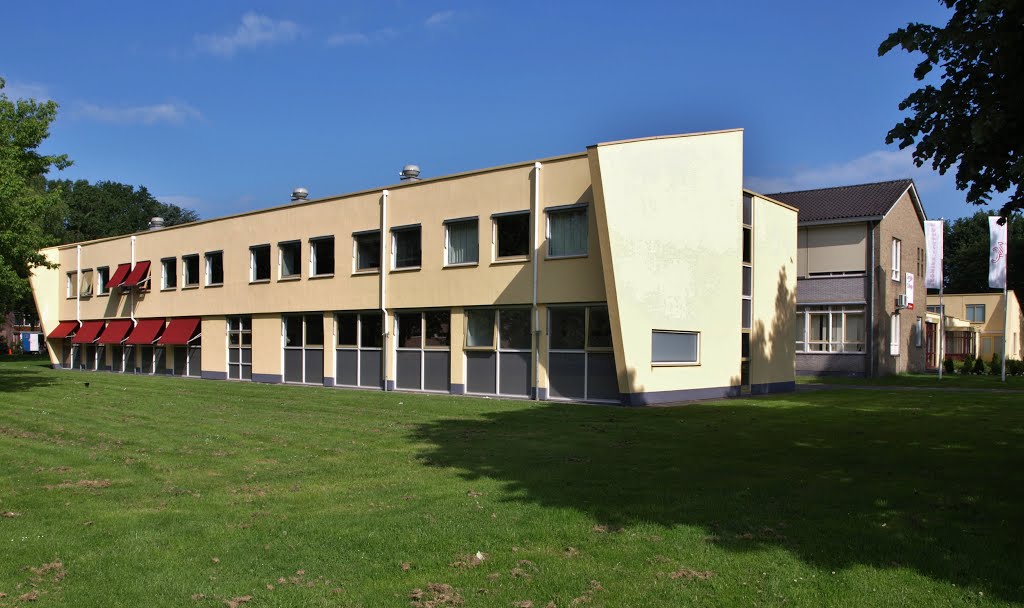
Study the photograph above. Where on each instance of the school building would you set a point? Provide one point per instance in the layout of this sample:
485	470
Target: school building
635	272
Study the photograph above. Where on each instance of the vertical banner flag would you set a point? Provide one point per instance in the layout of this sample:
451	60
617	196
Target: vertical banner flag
910	291
933	253
997	253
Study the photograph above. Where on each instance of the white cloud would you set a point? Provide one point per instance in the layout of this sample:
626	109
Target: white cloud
254	30
348	39
170	113
25	90
880	165
438	19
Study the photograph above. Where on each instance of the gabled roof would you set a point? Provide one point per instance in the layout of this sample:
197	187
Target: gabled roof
857	202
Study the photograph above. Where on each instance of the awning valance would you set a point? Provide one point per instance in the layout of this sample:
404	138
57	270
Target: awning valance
180	331
63	330
89	333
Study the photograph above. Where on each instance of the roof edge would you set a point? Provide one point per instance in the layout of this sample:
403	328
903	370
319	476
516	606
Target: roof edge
656	137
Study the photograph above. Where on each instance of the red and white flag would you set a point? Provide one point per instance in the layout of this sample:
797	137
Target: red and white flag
997	253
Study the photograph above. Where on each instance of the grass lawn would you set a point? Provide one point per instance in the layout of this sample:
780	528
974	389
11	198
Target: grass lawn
140	491
926	380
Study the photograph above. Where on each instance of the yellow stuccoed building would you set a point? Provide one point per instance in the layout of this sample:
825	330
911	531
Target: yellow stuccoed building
636	272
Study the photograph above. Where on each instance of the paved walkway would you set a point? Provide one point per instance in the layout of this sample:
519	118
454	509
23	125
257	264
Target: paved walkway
805	388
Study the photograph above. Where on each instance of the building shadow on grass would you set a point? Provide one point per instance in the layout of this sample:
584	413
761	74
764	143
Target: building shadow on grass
838	478
20	373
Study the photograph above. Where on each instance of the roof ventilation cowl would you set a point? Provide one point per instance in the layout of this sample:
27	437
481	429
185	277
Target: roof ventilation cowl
299	194
156	223
410	173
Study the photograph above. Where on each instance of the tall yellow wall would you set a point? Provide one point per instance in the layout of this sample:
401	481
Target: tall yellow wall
47	291
772	342
670	212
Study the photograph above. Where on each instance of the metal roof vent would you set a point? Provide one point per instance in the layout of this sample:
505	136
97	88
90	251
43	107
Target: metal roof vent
156	223
410	173
299	194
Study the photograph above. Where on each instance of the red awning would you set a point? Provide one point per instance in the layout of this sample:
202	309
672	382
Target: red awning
180	331
116	331
89	332
63	330
119	275
138	274
146	331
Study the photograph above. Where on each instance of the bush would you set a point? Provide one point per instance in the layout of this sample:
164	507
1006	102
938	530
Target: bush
996	367
948	365
968	366
979	366
1014	367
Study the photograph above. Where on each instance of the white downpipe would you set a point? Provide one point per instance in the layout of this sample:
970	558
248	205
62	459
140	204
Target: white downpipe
536	254
131	294
383	285
78	295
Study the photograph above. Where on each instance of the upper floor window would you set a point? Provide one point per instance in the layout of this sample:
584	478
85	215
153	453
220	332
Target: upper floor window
976	313
169	272
462	242
321	256
512	235
72	285
405	247
897	253
366	247
86	283
567	231
190	270
290	259
102	276
894	334
215	268
259	263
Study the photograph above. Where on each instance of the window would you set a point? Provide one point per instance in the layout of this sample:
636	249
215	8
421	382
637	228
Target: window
918	331
321	256
462	242
675	347
748	210
304	348
498	351
290	259
190	270
240	348
169	273
830	329
358	355
747	245
405	247
72	285
259	263
215	268
102	276
423	360
567	231
85	288
748	281
897	252
894	334
366	246
976	313
581	365
512	235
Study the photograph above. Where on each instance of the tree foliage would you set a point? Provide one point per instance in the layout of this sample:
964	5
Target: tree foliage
94	211
966	254
972	119
26	203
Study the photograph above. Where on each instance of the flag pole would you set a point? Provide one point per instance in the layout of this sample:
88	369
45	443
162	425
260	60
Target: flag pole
1006	303
942	325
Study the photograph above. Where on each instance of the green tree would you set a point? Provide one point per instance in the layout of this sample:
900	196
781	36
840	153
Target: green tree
966	254
26	204
93	211
971	120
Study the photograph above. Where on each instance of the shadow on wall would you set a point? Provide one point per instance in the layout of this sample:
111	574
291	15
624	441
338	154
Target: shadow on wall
827	476
779	343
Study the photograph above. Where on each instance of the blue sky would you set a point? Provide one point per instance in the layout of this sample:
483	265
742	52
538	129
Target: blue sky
226	106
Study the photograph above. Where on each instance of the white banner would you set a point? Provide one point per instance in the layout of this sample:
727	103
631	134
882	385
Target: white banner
933	247
910	291
997	253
